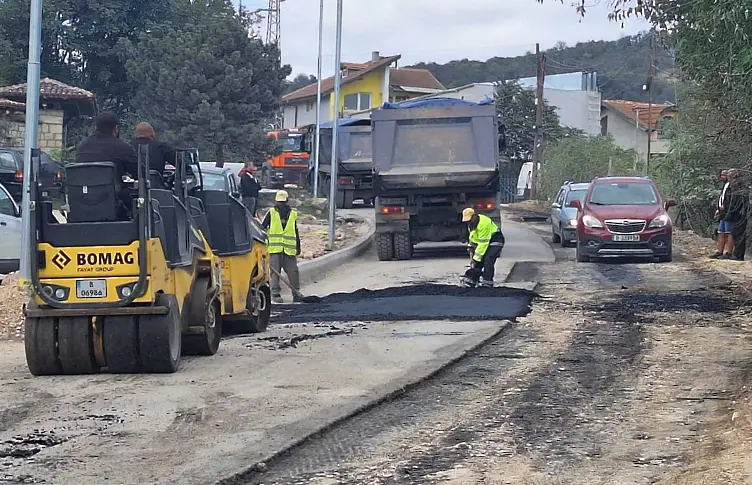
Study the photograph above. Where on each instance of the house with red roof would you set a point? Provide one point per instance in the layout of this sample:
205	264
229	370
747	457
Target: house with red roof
363	86
631	123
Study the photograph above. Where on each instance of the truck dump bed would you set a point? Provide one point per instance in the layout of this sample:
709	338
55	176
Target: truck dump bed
435	143
354	141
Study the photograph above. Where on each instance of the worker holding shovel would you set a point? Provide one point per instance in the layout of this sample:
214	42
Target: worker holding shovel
284	245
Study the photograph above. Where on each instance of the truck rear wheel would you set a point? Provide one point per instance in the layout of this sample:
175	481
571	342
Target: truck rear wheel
339	199
347	199
385	246
403	246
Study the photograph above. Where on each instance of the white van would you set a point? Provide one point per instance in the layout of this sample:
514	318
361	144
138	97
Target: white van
10	233
524	181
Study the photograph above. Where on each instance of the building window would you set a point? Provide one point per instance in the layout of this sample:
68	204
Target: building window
309	106
357	101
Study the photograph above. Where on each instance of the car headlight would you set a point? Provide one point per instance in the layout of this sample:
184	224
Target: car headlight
572	222
660	221
591	222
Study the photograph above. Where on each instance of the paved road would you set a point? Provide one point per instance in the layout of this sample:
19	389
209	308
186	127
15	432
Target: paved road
219	415
623	374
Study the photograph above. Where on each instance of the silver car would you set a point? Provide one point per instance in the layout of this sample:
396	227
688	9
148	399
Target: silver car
10	232
563	217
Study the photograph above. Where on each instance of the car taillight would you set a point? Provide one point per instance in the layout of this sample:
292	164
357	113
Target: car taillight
485	205
346	181
392	210
58	176
19	176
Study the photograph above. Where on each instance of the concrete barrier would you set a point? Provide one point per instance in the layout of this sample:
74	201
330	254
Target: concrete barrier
316	269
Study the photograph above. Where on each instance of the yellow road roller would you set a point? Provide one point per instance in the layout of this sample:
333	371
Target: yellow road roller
131	280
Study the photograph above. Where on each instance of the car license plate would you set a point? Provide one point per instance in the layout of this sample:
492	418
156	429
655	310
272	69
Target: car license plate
625	238
91	288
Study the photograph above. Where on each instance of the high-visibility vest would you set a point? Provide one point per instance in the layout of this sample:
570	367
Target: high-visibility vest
481	236
282	239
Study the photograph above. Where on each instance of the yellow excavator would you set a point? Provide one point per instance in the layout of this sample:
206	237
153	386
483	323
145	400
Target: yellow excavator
142	273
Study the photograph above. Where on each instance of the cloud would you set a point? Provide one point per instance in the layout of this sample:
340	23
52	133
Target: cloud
437	30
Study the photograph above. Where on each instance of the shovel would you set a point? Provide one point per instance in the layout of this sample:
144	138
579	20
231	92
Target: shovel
303	299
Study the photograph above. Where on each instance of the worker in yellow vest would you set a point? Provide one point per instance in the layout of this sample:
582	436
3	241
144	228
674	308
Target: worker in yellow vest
485	242
284	244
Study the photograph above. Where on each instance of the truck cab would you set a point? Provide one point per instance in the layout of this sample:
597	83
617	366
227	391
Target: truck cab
291	165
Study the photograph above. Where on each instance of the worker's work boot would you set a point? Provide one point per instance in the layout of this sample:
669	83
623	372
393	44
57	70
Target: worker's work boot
297	298
277	299
486	283
468	282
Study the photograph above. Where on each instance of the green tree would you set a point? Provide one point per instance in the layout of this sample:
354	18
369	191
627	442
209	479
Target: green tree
300	81
208	85
79	42
515	106
581	159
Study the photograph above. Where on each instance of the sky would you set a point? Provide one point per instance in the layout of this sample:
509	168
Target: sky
436	30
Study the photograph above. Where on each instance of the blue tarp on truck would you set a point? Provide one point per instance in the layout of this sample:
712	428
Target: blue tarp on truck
434	103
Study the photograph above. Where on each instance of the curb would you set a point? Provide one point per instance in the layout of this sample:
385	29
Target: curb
316	269
397	389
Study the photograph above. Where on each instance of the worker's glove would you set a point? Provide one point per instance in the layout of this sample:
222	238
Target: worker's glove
476	264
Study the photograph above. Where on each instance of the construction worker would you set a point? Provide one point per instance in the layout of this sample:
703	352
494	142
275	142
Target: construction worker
160	153
284	244
486	242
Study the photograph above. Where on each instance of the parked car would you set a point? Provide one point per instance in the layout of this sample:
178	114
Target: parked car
564	217
223	179
623	216
10	232
11	171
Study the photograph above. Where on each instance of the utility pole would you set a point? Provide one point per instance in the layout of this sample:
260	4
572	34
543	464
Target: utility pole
30	135
636	139
318	105
335	127
649	87
273	23
538	144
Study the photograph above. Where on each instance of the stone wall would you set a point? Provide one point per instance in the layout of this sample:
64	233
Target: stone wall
50	130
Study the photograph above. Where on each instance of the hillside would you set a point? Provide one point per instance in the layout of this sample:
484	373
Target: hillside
622	67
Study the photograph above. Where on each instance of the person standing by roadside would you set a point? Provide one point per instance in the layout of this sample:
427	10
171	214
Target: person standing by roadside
281	224
249	187
724	232
736	216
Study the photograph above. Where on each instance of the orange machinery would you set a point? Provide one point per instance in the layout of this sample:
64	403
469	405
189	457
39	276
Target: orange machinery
290	166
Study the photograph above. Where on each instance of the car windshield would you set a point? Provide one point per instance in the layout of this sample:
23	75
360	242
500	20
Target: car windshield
291	143
626	193
213	181
575	195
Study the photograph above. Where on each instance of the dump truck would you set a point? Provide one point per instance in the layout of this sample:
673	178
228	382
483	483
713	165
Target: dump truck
291	165
433	158
354	160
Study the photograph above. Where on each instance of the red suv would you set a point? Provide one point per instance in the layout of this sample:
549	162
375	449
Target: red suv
623	216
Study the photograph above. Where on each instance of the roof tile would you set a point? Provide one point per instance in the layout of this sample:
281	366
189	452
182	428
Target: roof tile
414	78
49	89
8	104
647	114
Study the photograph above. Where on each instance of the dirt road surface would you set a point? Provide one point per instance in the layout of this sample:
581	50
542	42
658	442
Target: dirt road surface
259	394
623	374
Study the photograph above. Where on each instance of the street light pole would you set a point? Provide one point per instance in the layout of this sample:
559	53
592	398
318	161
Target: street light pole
318	105
335	127
30	134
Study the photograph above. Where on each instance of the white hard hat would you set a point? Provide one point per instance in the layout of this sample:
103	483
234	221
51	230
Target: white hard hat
281	196
467	214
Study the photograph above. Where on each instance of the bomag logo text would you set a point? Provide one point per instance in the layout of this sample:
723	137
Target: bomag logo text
104	259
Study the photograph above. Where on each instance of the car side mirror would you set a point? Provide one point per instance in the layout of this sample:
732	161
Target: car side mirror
555	205
576	204
670	203
235	194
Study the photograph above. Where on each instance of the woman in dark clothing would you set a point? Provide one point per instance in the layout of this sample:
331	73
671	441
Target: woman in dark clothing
735	215
249	187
